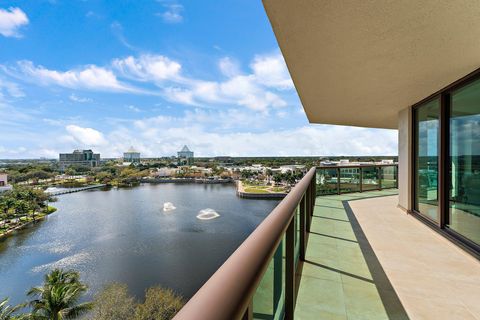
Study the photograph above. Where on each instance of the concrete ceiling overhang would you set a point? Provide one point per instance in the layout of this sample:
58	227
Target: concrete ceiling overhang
359	62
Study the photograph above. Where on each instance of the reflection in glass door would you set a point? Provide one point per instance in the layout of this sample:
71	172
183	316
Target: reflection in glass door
426	159
464	197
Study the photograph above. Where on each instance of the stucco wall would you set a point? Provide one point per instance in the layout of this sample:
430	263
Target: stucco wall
404	158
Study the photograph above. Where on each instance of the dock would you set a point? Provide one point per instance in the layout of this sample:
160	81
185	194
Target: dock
72	190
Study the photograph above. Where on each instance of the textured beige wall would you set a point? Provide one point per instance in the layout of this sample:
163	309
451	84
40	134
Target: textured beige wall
360	62
404	158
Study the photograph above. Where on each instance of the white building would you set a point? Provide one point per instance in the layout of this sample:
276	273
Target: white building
131	156
4	186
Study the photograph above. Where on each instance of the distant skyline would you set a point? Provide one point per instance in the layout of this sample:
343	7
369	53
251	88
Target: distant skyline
155	75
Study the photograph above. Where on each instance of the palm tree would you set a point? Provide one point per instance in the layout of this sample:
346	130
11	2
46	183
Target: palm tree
58	297
7	312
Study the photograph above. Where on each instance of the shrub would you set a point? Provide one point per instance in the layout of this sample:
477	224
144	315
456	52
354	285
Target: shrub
113	303
160	304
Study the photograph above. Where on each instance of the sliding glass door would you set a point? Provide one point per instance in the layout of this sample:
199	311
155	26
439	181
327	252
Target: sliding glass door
464	136
446	148
426	159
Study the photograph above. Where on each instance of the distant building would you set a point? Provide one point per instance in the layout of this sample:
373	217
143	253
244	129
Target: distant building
224	160
185	156
84	158
4	186
131	156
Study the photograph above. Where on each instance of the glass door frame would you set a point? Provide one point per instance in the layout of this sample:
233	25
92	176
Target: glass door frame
443	153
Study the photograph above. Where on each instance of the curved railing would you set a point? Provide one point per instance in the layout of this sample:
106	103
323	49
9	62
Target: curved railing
258	279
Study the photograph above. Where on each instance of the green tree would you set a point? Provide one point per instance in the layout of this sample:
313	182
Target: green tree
21	207
160	304
7	312
113	303
58	297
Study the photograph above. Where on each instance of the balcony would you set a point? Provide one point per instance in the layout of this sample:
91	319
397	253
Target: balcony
335	255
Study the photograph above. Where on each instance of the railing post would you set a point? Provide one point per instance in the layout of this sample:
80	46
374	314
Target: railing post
314	186
290	271
338	180
308	216
361	179
379	177
303	229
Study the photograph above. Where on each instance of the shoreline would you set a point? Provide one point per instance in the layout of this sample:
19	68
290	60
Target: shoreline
186	180
240	190
7	233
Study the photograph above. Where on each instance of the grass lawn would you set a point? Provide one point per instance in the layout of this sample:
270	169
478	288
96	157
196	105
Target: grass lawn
264	189
278	189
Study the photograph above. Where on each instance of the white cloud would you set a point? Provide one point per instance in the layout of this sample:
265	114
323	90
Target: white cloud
176	94
229	67
271	71
11	89
117	30
87	137
235	132
146	67
76	98
210	133
11	20
260	89
133	108
89	77
172	14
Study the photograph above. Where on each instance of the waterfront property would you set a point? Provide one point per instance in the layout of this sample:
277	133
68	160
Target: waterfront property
341	245
79	158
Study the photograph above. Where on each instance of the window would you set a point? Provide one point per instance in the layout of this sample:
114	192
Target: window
426	159
464	161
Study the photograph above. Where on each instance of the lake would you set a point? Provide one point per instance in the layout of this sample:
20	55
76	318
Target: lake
124	235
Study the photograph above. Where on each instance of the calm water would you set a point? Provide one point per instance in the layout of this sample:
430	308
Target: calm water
124	235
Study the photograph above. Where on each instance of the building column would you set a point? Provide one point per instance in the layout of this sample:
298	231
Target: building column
405	143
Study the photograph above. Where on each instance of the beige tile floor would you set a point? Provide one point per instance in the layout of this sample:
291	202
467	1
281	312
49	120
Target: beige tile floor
376	262
433	278
336	280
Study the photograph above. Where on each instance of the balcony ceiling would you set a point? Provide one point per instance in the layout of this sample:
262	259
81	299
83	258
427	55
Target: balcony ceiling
358	63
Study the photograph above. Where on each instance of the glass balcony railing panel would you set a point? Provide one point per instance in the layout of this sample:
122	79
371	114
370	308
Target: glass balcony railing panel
349	179
327	181
370	179
389	176
269	298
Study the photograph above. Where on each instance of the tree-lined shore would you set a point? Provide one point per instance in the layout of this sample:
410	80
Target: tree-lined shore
21	206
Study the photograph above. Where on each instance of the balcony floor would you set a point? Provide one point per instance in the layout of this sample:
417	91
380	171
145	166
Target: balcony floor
367	259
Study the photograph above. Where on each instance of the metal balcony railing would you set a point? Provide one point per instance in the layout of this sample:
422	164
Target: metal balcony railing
258	279
356	178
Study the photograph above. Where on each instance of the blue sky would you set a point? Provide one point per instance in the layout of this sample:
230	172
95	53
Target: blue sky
156	75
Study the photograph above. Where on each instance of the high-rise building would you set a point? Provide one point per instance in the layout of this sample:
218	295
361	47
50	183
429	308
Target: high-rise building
131	156
79	158
185	156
